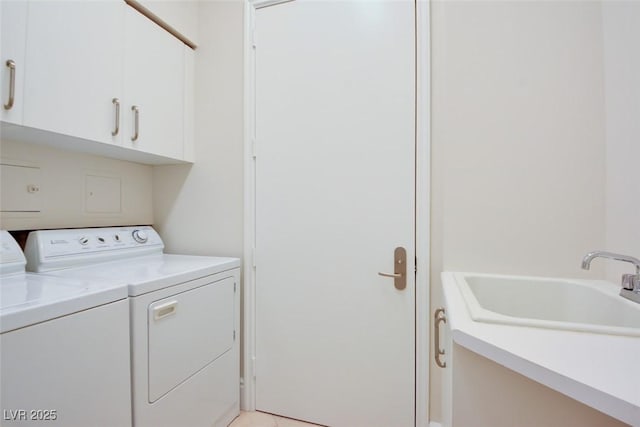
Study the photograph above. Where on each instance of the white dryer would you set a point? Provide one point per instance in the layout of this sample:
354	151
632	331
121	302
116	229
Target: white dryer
64	348
184	320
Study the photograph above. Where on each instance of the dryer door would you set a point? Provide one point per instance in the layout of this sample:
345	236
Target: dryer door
187	331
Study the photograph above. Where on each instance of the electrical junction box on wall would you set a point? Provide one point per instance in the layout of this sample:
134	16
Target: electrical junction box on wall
103	194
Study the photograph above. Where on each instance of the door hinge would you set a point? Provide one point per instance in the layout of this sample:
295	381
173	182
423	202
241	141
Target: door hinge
234	287
234	335
254	153
253	257
253	368
415	265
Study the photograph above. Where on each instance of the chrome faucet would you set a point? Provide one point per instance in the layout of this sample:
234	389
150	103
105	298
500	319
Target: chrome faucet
630	282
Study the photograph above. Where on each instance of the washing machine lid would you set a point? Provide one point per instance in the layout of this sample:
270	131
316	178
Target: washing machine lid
153	272
27	299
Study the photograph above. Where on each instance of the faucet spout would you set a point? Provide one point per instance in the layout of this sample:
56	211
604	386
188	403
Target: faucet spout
586	261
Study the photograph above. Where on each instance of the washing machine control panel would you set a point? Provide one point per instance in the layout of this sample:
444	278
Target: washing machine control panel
140	236
46	249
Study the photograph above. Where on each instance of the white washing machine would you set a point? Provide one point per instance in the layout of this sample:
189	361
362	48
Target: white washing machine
184	313
64	348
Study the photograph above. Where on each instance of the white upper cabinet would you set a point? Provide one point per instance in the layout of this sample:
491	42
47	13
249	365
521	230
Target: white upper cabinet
13	17
154	88
74	68
97	77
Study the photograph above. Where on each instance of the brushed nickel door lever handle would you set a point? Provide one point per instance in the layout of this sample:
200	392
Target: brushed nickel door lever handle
399	274
393	275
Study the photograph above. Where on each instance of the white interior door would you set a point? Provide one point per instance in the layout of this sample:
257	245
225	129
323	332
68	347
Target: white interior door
335	165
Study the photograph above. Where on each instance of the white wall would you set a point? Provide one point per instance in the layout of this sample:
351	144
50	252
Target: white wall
517	140
621	28
64	191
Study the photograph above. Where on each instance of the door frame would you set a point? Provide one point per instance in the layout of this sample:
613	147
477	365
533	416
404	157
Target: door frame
422	206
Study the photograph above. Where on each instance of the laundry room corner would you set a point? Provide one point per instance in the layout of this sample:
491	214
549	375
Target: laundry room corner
198	209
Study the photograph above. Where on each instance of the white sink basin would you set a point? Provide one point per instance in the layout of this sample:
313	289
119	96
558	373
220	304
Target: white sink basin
578	305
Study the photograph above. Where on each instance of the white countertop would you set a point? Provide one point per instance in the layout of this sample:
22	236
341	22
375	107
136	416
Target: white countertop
601	371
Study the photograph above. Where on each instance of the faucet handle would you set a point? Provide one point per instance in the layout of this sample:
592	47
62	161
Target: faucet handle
631	282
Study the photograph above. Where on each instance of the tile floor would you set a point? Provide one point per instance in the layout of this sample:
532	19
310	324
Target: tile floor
261	419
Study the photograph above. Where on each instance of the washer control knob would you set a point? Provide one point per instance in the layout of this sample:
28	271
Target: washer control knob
83	240
116	237
139	236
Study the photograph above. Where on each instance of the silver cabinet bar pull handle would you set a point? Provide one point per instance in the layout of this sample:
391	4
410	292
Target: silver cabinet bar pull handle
12	83
116	104
136	122
438	317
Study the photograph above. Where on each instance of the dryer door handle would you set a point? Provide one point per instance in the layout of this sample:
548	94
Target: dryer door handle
165	310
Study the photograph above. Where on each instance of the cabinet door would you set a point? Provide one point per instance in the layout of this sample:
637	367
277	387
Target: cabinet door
13	16
75	67
154	86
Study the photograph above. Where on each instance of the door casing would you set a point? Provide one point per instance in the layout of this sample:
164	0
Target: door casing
422	204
